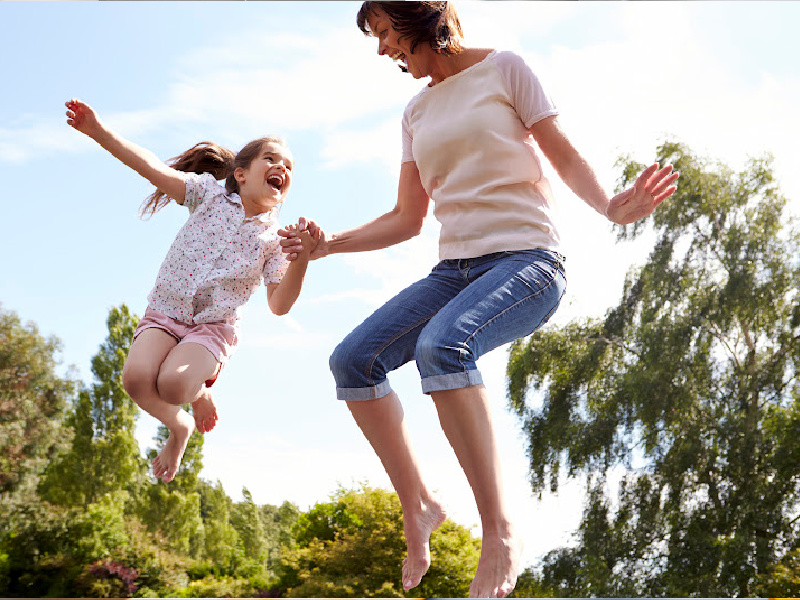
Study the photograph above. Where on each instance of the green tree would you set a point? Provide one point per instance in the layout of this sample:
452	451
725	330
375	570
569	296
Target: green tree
246	520
692	378
49	546
279	523
104	455
220	538
33	402
353	547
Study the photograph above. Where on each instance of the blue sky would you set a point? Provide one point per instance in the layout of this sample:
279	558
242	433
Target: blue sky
719	76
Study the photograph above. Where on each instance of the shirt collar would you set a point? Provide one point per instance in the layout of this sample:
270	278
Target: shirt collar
269	217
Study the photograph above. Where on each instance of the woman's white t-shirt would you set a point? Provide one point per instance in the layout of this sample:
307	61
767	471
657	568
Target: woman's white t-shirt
469	138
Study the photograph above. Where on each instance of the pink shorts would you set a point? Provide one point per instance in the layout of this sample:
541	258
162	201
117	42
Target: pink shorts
218	338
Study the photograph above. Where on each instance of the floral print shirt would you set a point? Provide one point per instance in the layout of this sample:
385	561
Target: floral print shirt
218	257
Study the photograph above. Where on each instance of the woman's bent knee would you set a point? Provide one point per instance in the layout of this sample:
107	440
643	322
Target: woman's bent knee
342	361
436	355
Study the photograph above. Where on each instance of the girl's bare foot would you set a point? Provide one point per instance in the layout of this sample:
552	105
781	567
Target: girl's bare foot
204	411
418	529
166	464
498	566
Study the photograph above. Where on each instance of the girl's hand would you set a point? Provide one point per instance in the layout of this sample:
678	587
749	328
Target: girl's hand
292	244
651	188
303	237
82	117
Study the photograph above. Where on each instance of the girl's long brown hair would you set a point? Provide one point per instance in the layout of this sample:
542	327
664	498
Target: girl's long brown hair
208	157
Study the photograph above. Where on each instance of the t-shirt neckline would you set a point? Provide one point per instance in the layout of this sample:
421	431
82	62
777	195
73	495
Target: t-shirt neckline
463	72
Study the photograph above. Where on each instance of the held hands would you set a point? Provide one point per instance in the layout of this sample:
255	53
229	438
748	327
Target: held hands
304	237
82	117
651	188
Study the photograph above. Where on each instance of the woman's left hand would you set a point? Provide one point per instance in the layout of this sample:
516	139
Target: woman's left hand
292	246
651	188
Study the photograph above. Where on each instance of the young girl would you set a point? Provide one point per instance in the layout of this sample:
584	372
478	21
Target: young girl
216	262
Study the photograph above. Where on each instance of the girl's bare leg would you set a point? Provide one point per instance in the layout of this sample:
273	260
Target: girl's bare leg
181	380
466	419
382	422
204	411
140	376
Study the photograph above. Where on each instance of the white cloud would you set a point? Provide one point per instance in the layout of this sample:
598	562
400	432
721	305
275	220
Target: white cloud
343	147
501	24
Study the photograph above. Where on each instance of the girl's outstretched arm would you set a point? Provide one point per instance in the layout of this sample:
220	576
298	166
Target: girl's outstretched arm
83	118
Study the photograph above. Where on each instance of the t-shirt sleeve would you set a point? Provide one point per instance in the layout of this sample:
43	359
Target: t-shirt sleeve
408	155
527	95
200	188
275	266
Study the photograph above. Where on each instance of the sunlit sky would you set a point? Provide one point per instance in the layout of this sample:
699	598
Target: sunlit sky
721	77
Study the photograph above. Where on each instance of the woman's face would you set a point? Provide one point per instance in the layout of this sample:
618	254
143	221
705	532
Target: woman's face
392	45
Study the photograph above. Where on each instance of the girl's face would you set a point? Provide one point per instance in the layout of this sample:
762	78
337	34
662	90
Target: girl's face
392	45
269	176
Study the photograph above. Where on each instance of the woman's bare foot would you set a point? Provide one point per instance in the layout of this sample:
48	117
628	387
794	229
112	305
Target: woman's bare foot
418	529
204	411
166	464
498	566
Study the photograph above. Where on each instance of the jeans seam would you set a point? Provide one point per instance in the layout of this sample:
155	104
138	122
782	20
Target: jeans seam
539	292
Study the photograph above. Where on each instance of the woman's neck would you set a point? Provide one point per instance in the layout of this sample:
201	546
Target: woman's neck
447	65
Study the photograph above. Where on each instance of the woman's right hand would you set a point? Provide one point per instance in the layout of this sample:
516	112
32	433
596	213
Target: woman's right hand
82	117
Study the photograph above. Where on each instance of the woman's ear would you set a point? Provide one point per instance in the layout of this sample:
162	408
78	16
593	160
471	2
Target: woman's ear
238	175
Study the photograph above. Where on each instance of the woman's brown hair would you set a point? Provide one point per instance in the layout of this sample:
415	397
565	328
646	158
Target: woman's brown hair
433	22
207	157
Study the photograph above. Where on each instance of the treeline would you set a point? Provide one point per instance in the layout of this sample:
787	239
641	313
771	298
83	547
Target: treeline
81	516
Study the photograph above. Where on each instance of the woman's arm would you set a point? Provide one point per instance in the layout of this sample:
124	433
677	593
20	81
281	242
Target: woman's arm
83	118
403	222
652	187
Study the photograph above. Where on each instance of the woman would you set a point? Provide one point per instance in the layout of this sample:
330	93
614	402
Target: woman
467	145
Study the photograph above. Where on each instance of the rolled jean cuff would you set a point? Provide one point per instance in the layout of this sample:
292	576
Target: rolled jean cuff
364	393
451	381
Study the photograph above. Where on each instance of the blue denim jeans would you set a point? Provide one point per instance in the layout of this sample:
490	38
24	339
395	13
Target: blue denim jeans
463	309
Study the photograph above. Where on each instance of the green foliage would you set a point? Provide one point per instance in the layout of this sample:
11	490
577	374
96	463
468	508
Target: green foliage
781	579
246	520
353	547
48	545
529	585
33	400
279	523
221	587
220	537
107	579
104	454
692	377
174	516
